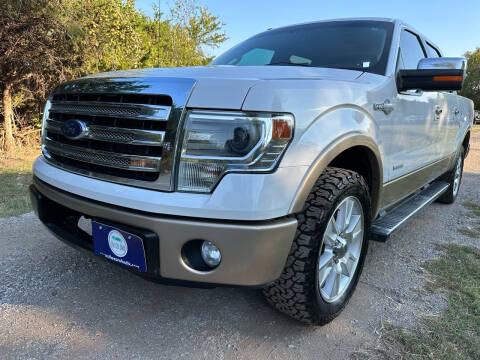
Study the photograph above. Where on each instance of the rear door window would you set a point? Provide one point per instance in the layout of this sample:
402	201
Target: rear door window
432	52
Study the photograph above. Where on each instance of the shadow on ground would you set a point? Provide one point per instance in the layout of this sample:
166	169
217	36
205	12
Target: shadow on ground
57	302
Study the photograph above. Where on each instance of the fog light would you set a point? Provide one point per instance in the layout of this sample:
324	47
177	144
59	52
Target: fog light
210	254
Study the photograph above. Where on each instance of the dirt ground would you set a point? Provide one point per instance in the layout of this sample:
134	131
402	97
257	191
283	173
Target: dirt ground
58	303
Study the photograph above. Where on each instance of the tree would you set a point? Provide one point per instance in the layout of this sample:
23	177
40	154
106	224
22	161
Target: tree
45	42
115	36
109	34
471	87
32	53
202	28
182	37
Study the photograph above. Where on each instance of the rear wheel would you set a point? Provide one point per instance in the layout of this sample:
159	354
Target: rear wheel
454	178
328	251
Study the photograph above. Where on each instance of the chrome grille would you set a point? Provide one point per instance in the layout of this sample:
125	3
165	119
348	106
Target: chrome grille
111	135
124	138
136	111
97	109
103	158
118	135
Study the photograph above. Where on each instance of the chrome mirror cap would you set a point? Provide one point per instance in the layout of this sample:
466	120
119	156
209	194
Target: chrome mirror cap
446	63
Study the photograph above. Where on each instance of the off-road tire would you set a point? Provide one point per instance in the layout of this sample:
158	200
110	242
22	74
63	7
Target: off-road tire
448	197
296	292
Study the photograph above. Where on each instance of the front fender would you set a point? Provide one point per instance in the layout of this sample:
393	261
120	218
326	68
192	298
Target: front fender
327	137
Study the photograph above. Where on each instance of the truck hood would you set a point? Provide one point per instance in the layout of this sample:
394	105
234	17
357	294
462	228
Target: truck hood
237	73
226	87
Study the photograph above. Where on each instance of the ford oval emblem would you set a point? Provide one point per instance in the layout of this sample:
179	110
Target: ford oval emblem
74	129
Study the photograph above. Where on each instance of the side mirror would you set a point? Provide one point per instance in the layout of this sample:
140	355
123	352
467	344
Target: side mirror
434	74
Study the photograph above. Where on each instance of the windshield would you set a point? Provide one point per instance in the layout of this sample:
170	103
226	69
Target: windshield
356	45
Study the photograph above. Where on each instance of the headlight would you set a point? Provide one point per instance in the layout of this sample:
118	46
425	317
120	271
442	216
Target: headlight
46	111
219	142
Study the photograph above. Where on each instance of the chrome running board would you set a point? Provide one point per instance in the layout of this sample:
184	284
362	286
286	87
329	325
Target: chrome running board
384	226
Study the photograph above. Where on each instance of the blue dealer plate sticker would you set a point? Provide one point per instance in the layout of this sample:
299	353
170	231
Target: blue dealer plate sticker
119	246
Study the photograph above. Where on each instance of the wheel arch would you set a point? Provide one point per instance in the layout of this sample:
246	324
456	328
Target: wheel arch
466	141
357	152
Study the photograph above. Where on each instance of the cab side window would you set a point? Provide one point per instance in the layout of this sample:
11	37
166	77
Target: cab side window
411	51
432	52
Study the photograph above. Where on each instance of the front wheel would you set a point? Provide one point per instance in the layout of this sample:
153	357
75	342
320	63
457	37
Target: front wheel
328	251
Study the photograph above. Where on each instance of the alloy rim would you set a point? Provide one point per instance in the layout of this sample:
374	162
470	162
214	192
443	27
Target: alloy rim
341	249
458	176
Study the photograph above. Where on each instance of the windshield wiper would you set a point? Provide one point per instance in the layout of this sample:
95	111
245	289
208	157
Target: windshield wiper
290	63
348	68
310	65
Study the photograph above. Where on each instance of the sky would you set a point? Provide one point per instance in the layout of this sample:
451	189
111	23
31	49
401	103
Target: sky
454	26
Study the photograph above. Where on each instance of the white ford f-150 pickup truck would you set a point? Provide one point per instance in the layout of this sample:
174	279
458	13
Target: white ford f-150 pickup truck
272	167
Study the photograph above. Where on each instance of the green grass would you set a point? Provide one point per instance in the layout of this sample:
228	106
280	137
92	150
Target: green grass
473	233
453	335
474	208
15	177
473	213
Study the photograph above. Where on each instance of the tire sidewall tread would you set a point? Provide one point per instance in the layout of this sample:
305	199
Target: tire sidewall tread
296	292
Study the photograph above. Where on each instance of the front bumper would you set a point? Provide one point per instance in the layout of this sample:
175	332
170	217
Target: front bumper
253	252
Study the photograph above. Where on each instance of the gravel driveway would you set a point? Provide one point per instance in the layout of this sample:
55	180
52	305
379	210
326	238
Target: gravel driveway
56	302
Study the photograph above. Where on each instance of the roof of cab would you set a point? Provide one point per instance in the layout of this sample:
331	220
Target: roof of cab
343	19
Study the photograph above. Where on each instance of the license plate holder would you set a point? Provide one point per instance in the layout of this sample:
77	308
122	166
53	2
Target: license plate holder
119	246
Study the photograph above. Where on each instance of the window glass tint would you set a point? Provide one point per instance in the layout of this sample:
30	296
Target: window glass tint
294	59
357	45
254	57
432	52
411	51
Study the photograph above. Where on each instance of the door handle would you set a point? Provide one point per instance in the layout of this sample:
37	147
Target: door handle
456	111
387	107
438	112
